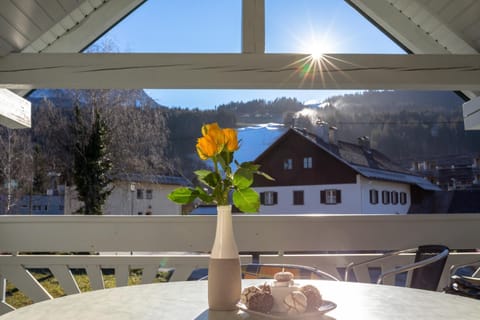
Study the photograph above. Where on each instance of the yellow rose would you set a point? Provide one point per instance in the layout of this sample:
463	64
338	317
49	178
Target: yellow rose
231	140
206	147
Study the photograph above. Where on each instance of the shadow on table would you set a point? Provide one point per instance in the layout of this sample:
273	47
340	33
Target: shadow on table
238	315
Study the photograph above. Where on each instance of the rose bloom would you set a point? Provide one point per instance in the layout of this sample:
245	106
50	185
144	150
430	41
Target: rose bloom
231	139
206	147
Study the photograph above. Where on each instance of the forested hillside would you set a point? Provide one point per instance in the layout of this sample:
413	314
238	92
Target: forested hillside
405	125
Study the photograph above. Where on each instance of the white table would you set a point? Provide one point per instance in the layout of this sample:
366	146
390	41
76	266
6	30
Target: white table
188	300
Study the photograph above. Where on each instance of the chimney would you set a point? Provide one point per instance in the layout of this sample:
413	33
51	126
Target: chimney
364	142
321	130
332	135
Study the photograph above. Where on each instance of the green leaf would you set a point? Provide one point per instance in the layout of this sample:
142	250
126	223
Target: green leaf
226	158
247	200
208	178
204	196
243	178
183	195
249	166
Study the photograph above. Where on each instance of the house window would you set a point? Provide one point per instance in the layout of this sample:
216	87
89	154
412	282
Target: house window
394	196
288	164
403	198
307	162
268	198
149	194
330	196
139	193
373	196
385	197
298	197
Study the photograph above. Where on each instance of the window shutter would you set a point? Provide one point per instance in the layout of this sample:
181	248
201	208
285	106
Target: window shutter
322	196
275	198
339	196
262	197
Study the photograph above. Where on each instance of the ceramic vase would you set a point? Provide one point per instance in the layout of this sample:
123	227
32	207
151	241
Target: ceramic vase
224	273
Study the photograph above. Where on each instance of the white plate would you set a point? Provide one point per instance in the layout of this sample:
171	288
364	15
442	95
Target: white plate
324	308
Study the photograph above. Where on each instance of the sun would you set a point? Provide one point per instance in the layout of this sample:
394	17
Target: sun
316	51
317	44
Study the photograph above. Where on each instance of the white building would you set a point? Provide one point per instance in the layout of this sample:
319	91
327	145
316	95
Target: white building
318	174
136	194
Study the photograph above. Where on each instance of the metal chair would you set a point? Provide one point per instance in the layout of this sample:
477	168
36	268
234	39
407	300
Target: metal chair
426	269
465	280
268	270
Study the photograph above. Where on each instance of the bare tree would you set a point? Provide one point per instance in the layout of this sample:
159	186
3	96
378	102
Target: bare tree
16	166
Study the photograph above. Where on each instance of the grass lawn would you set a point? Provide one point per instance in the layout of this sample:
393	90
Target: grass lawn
17	299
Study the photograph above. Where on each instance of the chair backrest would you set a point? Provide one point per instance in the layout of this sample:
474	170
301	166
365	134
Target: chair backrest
428	276
267	271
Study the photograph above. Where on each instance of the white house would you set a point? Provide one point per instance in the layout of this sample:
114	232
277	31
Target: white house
318	174
136	194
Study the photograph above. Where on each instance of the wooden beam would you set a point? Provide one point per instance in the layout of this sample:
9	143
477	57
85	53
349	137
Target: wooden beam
240	71
253	26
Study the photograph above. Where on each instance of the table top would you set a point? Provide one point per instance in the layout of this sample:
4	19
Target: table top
188	300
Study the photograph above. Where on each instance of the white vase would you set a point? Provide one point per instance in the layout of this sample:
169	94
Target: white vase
224	273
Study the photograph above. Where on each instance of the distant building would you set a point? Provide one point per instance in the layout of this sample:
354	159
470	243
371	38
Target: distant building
451	173
459	179
36	204
136	194
51	203
316	173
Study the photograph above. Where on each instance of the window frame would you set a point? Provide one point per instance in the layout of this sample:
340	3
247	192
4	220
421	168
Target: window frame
385	197
307	163
272	196
298	197
140	194
330	196
149	194
288	164
394	197
373	193
403	198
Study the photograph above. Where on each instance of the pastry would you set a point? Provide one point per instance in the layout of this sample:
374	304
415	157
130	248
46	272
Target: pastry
260	301
281	287
314	298
247	293
295	302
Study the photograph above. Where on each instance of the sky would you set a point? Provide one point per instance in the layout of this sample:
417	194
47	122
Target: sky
214	26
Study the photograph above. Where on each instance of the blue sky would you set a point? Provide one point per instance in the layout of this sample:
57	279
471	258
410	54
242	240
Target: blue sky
206	26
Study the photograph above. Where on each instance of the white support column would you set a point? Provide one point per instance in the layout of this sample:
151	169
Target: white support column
253	26
15	111
471	114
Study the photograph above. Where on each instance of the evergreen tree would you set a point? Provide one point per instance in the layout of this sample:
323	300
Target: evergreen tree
91	162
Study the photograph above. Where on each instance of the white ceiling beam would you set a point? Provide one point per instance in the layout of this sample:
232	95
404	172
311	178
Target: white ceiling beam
93	25
399	26
410	33
253	26
240	71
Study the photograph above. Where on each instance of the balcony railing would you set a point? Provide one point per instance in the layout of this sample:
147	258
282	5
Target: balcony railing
181	243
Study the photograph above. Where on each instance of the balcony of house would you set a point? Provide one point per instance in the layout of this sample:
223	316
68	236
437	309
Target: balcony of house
178	245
